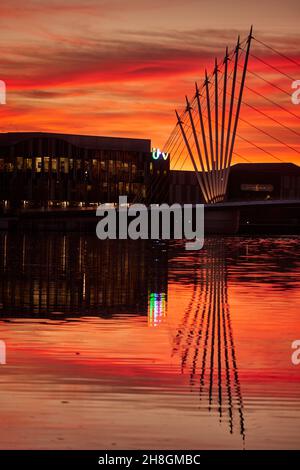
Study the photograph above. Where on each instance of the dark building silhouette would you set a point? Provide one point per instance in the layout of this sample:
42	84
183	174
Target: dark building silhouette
184	188
43	169
258	181
40	169
247	182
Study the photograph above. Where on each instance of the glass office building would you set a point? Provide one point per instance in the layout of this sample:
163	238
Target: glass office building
42	169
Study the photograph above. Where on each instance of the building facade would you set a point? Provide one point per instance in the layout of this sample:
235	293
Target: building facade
246	182
43	169
50	170
263	181
184	188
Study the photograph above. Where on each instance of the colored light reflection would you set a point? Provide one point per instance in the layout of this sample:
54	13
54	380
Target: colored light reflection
157	308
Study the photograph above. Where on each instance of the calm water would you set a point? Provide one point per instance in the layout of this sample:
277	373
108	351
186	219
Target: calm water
144	345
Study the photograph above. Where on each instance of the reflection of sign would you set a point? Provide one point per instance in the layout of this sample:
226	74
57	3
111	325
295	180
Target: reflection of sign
157	308
157	153
257	187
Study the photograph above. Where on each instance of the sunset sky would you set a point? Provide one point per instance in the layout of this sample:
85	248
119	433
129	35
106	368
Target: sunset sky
120	68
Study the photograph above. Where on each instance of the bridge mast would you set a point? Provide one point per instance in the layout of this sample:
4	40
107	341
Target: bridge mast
216	149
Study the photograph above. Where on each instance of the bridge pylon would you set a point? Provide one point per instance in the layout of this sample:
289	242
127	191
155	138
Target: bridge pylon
209	130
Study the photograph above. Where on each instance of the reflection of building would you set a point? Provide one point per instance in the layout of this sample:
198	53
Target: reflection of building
42	168
204	339
77	275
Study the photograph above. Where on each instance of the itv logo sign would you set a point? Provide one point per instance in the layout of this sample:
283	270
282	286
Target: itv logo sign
157	153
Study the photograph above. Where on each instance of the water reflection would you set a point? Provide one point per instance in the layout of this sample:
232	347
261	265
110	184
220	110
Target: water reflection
204	340
157	308
78	275
71	275
134	334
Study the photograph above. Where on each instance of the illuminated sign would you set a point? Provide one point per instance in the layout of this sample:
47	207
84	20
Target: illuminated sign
257	187
157	153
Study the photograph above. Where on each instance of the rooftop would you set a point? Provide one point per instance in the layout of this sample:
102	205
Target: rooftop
83	141
265	167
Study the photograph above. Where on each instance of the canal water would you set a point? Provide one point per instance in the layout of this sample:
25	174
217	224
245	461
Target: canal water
141	344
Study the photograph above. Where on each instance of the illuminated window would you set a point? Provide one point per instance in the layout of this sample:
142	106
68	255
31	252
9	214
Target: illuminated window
46	163
38	164
64	165
111	166
95	168
28	163
19	163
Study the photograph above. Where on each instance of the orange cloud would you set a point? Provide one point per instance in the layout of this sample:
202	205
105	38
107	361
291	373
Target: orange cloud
127	81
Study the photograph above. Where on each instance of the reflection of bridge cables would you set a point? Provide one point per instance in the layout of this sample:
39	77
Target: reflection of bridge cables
191	330
206	348
184	322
